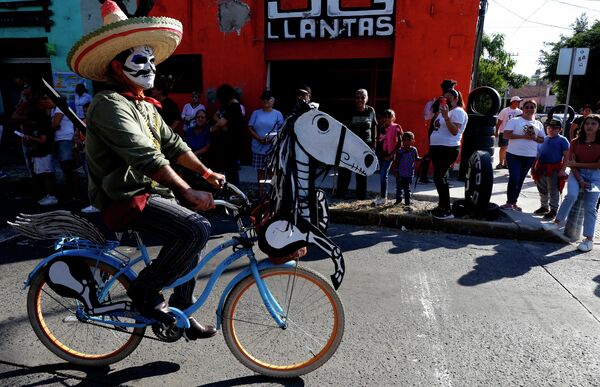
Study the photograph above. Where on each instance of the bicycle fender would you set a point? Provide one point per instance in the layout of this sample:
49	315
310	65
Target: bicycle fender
92	254
238	278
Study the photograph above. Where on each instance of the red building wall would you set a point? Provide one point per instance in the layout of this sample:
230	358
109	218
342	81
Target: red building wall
433	40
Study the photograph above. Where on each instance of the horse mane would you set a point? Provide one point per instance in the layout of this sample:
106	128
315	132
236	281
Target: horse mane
284	190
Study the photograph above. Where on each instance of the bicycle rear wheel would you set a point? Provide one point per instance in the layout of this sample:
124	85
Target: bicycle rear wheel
311	308
54	321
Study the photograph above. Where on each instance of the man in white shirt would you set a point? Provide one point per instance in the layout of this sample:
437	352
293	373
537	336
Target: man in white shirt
506	114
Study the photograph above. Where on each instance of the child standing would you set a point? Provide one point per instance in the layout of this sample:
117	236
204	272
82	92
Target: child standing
387	144
406	155
552	155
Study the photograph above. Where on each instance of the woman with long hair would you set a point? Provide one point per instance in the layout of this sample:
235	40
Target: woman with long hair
444	146
524	134
584	160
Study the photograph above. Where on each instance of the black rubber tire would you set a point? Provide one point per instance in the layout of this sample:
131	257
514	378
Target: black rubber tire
491	212
560	109
484	92
461	208
479	142
478	120
480	180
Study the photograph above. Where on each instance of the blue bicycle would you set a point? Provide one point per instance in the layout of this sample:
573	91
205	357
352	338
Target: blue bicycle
278	320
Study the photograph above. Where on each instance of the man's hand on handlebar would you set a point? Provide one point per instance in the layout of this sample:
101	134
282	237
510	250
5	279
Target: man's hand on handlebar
216	179
199	200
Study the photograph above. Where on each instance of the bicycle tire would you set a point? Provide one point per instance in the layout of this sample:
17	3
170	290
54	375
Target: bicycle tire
61	332
319	304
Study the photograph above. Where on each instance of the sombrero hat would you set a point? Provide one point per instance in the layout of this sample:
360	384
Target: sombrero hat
91	55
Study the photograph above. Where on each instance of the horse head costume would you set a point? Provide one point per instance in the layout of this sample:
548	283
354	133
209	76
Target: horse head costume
309	140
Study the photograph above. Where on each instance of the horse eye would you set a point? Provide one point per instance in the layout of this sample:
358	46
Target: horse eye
323	124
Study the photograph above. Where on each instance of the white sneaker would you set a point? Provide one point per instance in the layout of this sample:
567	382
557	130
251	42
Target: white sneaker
380	201
552	226
48	200
586	245
89	209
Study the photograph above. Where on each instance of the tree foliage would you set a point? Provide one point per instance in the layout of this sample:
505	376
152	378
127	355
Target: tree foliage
496	65
585	88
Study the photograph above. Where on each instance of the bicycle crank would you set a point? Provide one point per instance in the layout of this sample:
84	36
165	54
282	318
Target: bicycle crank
167	333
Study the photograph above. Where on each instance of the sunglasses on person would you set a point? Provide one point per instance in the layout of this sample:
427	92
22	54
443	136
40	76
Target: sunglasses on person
529	107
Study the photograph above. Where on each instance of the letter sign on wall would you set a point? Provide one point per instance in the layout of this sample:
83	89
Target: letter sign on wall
328	19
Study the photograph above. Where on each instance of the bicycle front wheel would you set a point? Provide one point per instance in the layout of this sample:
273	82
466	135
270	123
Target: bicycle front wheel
311	308
55	321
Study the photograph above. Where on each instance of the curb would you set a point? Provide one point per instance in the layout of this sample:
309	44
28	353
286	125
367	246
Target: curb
490	229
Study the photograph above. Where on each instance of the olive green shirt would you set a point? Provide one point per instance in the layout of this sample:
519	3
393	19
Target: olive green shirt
121	155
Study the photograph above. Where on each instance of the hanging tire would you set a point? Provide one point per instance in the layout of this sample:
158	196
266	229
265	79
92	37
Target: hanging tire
480	180
560	109
479	142
484	100
478	120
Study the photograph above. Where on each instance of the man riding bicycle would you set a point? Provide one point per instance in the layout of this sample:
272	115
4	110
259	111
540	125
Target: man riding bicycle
130	150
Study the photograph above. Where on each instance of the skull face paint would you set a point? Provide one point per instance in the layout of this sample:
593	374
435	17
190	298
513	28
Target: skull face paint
139	67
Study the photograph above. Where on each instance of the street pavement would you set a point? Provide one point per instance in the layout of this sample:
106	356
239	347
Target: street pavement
422	309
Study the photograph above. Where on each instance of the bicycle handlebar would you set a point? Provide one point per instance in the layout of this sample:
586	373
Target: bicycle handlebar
237	191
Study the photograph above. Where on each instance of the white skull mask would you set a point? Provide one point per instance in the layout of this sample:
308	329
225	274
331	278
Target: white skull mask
139	67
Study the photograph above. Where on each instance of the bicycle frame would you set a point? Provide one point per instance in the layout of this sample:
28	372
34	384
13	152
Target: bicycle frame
109	255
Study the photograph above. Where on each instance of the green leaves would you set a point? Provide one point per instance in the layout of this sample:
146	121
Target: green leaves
496	65
585	87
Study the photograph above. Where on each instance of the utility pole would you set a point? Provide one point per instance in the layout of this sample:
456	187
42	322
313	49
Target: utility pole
483	4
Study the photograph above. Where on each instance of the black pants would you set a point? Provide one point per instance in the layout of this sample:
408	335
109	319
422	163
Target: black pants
442	158
184	234
344	176
403	187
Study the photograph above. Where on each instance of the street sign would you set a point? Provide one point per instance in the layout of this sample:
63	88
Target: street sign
567	64
581	59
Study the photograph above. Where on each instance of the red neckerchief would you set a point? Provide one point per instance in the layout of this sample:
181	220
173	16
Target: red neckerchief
141	97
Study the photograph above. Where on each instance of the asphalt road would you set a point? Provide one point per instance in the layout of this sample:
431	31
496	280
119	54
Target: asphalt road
422	309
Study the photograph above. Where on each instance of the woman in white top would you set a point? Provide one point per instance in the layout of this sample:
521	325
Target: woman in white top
524	134
444	145
191	109
64	133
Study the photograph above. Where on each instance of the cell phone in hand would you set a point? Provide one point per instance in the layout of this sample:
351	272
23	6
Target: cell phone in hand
19	134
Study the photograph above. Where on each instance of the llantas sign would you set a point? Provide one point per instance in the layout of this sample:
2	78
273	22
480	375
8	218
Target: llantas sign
327	19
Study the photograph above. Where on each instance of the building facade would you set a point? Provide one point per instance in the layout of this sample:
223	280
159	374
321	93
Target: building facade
398	50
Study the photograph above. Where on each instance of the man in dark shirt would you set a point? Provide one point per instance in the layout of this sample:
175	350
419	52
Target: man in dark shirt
363	123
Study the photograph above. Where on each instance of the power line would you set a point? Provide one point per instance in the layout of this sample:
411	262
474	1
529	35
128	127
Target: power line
577	6
529	21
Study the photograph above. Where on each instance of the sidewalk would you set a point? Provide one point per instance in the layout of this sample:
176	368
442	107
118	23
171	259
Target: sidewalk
521	225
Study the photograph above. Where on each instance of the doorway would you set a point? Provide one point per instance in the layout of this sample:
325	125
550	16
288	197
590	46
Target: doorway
333	83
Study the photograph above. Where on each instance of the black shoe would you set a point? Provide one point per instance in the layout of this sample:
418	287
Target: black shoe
440	213
154	307
542	211
199	331
425	181
550	215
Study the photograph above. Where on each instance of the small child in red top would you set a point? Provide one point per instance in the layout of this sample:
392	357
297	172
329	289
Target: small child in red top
406	157
387	145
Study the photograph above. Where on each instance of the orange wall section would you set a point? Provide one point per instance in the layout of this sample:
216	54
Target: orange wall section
434	40
226	57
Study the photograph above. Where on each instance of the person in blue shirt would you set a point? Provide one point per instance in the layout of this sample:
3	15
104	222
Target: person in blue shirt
549	168
264	124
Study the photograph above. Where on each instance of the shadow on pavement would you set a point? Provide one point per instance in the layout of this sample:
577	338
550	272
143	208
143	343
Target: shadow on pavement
256	379
507	264
93	375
